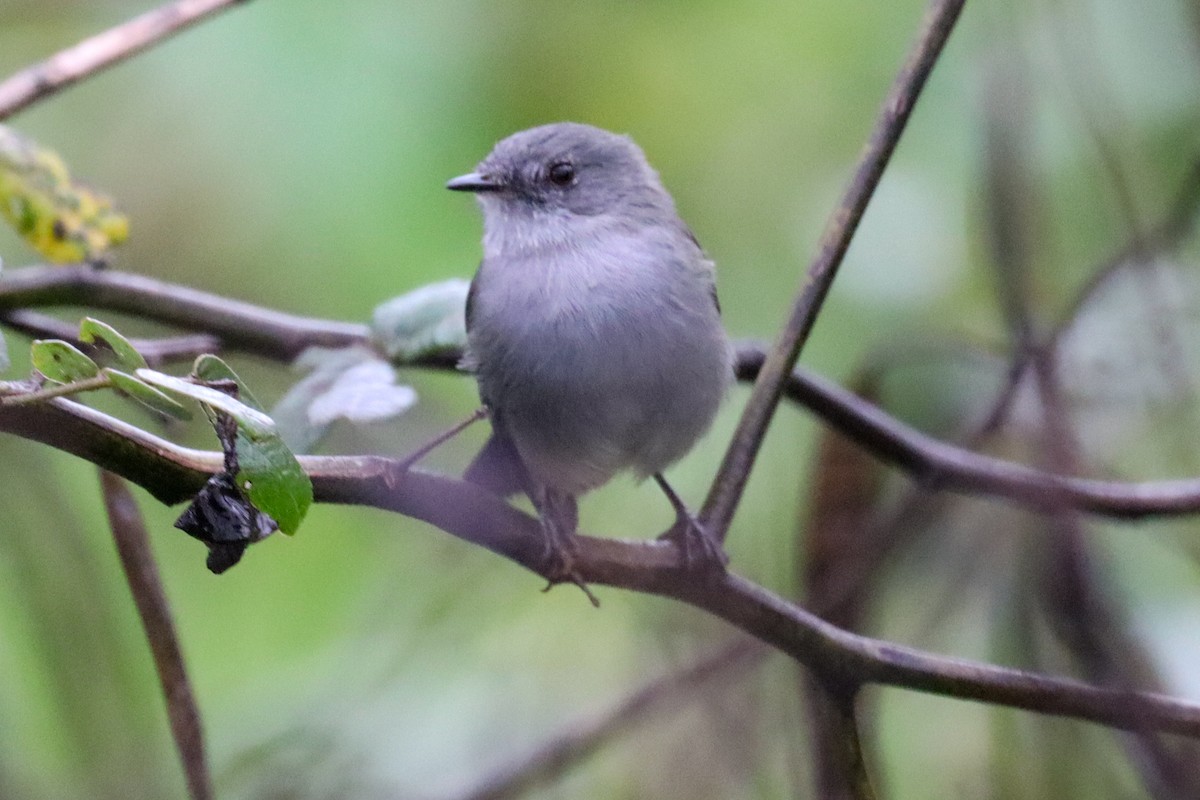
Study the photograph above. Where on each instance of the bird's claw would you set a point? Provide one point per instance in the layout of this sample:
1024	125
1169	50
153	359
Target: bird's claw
560	568
701	552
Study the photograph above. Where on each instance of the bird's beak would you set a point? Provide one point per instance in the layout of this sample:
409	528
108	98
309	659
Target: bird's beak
474	182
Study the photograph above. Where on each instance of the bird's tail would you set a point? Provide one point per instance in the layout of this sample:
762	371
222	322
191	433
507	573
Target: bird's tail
498	467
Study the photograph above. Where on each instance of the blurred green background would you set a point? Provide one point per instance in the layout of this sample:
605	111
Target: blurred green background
293	154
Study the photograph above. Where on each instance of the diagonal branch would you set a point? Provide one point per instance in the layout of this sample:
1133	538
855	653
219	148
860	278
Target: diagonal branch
102	51
141	572
582	740
730	480
474	515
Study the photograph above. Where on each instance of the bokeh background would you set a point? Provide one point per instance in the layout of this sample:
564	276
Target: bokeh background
293	154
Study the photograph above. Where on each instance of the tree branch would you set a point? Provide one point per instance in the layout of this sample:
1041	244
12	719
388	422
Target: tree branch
173	473
731	478
582	740
244	326
102	51
239	325
141	573
157	352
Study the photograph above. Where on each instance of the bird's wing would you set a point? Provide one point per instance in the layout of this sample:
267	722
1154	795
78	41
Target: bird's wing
692	236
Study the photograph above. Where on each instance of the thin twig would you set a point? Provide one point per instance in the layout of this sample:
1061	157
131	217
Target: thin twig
238	325
730	481
101	51
141	572
466	511
583	739
157	352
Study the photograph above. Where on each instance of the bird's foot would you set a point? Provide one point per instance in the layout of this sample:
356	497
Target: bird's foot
559	558
702	553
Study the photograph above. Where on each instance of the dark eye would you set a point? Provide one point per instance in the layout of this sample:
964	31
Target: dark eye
561	173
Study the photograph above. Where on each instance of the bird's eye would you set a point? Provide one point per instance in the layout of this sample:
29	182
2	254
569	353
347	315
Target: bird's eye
561	173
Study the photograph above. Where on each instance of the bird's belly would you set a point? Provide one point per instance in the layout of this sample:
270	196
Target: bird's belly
626	390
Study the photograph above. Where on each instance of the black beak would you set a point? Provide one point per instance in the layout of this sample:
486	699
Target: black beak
474	182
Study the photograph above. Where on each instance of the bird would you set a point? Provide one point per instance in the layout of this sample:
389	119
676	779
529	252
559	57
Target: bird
593	330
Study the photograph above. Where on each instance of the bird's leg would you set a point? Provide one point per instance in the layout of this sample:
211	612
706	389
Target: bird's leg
701	552
559	516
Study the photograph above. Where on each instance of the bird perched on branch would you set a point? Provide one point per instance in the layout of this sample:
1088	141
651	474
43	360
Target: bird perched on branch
593	329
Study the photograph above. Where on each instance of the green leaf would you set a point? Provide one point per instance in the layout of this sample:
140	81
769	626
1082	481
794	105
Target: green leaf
61	362
210	368
127	357
425	321
253	421
273	479
268	472
146	394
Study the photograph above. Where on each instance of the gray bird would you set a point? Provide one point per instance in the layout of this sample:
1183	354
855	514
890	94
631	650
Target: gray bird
593	328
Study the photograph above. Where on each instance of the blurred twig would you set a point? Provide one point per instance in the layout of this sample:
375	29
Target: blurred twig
1082	615
141	572
157	352
581	740
238	325
101	51
734	472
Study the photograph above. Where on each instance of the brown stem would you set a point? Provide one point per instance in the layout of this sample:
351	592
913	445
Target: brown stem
474	515
141	573
730	481
101	51
582	740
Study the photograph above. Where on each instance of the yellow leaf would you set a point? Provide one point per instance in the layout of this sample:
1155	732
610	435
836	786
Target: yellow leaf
65	221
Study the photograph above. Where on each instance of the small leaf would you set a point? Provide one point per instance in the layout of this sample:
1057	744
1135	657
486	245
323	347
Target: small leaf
210	368
364	393
254	422
423	322
273	479
61	362
268	472
127	357
324	366
146	394
62	219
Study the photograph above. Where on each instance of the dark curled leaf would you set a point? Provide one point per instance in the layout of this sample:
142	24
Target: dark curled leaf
222	518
